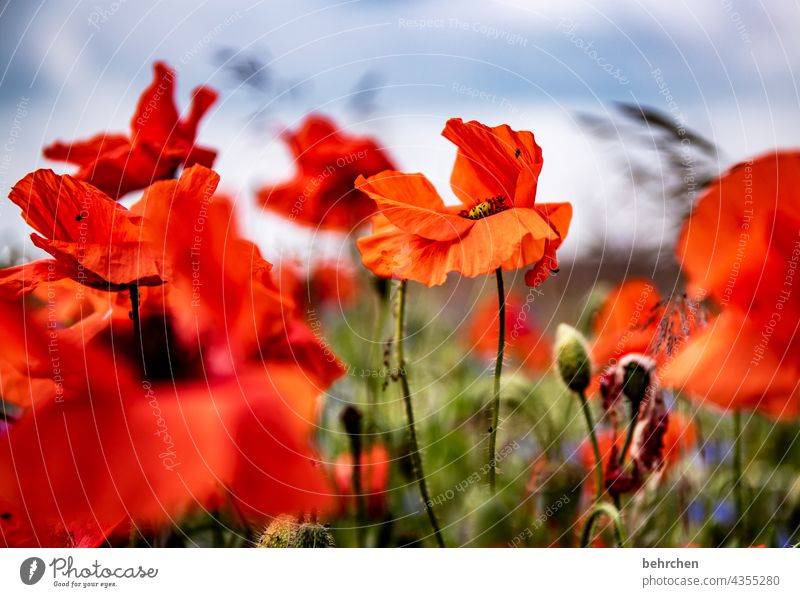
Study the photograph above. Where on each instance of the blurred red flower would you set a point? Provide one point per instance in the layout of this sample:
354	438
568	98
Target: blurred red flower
93	239
627	322
216	403
525	340
374	473
740	248
159	143
328	161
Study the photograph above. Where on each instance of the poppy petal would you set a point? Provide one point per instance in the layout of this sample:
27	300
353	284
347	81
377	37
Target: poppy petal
203	98
493	161
763	379
64	208
502	240
21	280
627	321
412	204
156	115
722	246
84	153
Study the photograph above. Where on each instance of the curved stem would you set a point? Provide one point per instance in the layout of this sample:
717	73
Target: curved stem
416	459
598	461
610	511
494	414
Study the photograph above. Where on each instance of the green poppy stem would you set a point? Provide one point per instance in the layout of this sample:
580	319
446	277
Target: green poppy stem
738	489
494	413
402	372
598	461
613	513
600	507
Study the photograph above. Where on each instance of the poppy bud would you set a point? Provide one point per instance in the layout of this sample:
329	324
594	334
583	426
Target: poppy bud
279	533
285	531
572	356
313	535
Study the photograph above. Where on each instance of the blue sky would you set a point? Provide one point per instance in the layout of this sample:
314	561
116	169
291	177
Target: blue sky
728	65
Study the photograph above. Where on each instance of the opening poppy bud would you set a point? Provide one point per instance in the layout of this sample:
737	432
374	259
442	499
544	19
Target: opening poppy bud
637	376
572	356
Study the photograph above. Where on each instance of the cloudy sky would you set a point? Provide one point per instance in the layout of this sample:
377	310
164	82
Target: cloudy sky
398	69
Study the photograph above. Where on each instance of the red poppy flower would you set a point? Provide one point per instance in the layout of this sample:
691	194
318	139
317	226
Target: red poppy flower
328	162
92	238
224	413
75	467
71	472
374	479
525	341
741	248
635	320
499	225
159	143
627	322
221	286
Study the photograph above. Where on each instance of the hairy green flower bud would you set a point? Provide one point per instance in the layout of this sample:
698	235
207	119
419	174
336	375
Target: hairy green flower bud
286	531
572	356
313	535
280	532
